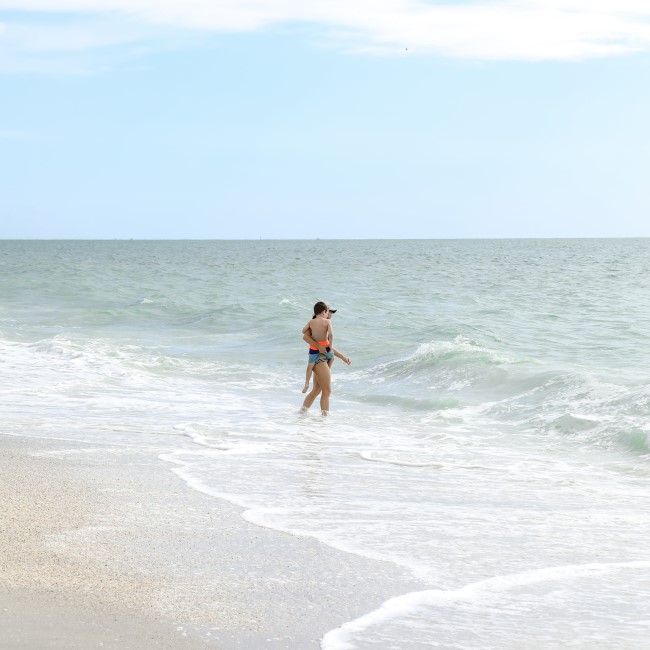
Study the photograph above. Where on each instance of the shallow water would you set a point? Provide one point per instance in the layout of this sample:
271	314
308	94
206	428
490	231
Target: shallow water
491	435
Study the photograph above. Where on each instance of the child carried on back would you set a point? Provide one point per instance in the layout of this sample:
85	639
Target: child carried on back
319	328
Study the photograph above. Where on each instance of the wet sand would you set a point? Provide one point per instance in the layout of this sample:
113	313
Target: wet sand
106	547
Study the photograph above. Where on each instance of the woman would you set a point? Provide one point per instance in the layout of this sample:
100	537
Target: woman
314	352
318	333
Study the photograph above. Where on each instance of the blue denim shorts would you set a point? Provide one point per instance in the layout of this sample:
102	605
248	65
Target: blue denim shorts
315	356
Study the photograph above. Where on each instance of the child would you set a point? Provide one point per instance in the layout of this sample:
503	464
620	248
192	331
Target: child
319	328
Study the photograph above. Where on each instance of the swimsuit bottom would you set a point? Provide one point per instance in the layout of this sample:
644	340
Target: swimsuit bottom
323	357
315	356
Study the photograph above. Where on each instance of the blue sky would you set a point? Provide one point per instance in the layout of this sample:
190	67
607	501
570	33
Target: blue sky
359	119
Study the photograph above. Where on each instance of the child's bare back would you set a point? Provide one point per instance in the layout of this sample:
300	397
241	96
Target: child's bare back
321	329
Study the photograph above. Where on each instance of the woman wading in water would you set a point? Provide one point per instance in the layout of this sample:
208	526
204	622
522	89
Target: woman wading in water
318	333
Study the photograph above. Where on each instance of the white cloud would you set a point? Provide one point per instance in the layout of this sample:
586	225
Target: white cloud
78	36
479	29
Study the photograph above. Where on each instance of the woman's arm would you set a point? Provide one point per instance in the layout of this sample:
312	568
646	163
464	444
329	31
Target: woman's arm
341	356
308	339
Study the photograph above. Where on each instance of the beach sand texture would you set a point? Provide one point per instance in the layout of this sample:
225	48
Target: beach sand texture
105	547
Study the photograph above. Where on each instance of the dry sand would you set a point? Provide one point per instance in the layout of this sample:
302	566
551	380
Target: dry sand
103	546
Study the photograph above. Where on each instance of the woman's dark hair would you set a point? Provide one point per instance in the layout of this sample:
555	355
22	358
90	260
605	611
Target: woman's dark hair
319	308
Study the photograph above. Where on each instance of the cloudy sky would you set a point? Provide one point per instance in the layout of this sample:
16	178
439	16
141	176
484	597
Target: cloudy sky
324	118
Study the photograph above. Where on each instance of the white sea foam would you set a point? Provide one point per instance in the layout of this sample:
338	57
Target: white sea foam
343	638
392	460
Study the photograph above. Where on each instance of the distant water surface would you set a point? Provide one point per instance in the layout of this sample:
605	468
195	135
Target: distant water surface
492	434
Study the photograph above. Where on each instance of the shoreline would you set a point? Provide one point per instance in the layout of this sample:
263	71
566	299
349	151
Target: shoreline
106	545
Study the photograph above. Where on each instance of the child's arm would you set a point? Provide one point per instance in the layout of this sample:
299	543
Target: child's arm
340	356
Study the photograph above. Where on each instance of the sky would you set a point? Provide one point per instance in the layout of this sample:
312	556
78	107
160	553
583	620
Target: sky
287	119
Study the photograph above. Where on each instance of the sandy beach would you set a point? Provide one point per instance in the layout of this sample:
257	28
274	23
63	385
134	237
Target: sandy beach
106	547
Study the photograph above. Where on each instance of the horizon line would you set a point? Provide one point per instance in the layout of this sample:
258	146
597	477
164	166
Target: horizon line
299	239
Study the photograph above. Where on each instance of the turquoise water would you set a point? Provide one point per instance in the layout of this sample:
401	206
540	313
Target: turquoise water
491	434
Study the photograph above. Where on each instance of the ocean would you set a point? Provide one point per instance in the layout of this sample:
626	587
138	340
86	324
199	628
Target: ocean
492	434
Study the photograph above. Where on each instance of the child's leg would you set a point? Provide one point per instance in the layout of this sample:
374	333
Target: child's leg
310	369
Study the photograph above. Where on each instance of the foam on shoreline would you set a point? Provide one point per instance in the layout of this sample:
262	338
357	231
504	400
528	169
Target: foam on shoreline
102	536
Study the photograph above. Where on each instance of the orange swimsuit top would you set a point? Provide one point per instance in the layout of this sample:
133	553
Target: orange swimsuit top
325	343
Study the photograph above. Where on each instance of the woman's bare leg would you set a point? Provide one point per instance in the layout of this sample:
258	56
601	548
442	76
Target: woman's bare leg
315	392
322	373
